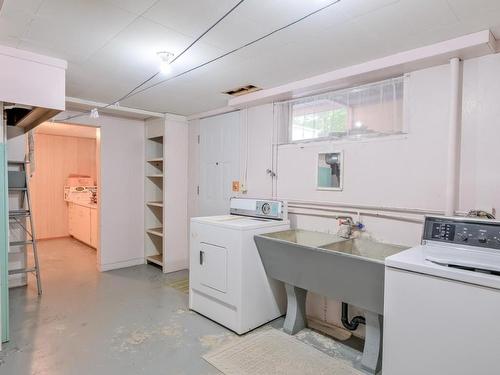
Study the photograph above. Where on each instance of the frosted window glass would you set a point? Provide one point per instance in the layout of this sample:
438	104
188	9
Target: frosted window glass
367	111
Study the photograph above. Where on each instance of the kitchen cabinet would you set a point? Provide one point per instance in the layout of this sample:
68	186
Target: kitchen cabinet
93	227
82	223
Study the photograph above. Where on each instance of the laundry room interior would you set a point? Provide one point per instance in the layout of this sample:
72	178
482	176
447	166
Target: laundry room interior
249	187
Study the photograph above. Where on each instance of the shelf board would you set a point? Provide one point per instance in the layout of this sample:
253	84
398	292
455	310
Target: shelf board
156	259
155	176
156	231
155	160
155	203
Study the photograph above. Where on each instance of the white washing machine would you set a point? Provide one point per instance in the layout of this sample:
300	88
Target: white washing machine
442	301
227	281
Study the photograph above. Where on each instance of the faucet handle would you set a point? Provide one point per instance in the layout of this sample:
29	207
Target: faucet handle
347	220
358	225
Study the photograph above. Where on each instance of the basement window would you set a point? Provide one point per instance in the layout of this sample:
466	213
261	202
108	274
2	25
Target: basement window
368	111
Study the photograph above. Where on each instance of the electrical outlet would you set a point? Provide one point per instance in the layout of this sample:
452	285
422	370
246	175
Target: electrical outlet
236	186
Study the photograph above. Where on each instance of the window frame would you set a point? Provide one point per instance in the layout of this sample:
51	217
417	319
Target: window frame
345	138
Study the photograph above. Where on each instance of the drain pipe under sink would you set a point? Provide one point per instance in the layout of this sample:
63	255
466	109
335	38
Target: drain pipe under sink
353	324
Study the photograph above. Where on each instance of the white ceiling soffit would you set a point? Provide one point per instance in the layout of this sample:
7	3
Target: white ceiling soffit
111	45
76	104
465	47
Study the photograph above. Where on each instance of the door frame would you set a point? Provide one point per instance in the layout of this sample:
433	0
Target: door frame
4	222
4	244
98	183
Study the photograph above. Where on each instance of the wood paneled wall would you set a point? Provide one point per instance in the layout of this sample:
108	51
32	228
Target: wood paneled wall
56	157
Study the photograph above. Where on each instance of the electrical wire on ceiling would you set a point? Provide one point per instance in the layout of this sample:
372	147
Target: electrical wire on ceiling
128	94
136	90
235	49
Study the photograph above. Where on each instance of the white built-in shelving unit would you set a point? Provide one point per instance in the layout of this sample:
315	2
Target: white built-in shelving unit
165	193
153	190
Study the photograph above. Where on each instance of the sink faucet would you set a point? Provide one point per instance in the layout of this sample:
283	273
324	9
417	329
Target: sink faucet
346	225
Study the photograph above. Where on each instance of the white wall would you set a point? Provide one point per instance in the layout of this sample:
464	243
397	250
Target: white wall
193	168
399	171
257	146
402	171
480	172
32	79
122	189
176	195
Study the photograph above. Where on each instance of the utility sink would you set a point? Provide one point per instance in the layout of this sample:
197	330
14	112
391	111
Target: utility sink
366	248
347	270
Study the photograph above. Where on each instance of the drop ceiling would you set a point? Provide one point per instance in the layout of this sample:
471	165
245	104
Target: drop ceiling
111	45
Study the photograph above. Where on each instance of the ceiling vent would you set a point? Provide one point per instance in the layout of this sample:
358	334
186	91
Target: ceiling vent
242	90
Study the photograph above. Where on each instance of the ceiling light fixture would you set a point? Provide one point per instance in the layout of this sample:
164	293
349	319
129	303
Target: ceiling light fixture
165	60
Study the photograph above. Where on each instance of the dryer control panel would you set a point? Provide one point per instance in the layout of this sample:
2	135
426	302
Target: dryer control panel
463	230
261	208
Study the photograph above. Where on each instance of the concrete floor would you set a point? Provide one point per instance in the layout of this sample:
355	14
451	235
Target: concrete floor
126	321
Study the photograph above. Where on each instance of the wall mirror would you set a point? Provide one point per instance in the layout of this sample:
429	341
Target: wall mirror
330	170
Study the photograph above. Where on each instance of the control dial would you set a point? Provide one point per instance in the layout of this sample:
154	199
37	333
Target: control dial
482	238
266	208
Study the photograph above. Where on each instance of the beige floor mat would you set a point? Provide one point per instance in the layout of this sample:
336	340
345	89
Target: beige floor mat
273	352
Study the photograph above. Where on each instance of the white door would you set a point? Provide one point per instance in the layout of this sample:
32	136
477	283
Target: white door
219	162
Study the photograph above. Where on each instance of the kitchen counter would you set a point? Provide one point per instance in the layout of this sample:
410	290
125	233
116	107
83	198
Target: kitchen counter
83	204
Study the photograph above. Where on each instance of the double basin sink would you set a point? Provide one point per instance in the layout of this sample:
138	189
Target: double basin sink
347	270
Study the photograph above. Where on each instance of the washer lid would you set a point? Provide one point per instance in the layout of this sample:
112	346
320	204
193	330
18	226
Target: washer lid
239	222
435	260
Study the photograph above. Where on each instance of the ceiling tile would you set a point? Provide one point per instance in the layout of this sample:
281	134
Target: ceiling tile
272	14
258	18
134	6
25	6
77	27
466	8
43	50
478	14
392	25
132	57
190	18
15	16
358	8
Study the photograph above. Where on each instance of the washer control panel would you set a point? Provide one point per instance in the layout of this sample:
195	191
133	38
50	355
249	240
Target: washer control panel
466	231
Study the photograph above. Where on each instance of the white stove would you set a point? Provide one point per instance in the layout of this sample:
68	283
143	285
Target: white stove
227	281
442	299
